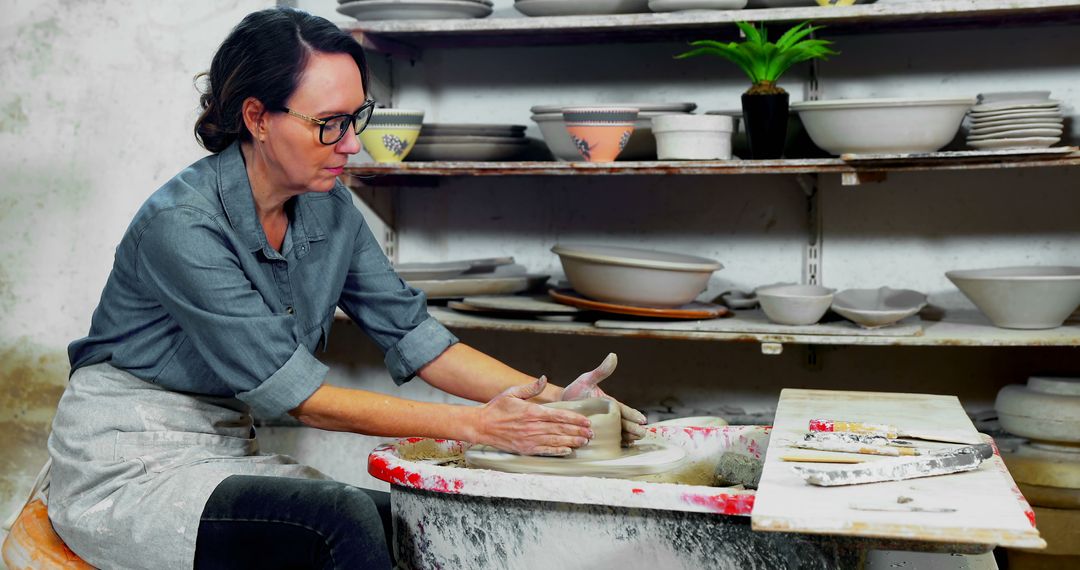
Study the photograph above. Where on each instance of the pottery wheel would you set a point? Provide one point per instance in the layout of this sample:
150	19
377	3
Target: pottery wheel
640	459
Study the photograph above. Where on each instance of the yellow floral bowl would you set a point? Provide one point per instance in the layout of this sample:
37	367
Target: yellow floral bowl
392	133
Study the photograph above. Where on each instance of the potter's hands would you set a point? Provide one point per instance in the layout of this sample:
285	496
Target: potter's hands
511	424
586	386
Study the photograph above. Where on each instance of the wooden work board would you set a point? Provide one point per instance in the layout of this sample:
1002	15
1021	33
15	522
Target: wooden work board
982	506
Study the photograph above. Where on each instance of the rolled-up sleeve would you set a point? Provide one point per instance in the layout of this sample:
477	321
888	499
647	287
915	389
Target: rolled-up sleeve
189	266
391	312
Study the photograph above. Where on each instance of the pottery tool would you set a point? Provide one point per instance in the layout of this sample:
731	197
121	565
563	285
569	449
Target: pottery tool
966	458
886	430
822	458
855	443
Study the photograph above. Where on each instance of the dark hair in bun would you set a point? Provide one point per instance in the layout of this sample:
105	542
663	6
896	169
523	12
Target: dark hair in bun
263	57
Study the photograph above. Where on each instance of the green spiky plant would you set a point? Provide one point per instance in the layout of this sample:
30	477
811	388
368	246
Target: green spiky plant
763	61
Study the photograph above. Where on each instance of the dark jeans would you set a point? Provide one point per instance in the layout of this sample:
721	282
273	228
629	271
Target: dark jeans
280	522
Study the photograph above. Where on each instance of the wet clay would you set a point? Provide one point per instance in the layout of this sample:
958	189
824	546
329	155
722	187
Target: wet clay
603	456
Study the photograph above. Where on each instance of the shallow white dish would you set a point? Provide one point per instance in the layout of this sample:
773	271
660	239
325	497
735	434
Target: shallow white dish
464	129
633	276
641	107
1044	113
435	270
469	286
882	125
465	152
366	10
1026	297
739	300
464	139
992	123
797	305
872	308
538	304
580	7
1014	127
684	5
1016	134
996	97
1014	106
1033	142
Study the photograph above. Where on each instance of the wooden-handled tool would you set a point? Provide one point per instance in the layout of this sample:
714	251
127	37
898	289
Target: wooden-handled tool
884	430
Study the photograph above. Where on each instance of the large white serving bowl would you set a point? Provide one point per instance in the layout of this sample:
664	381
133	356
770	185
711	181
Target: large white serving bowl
872	308
1027	297
634	276
797	305
866	126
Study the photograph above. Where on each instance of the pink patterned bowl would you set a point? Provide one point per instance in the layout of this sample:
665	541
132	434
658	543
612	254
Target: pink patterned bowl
600	133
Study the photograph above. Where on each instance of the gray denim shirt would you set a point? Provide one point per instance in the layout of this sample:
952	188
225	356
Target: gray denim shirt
199	302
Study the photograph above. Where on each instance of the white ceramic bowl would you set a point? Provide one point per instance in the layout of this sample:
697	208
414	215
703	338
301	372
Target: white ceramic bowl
642	145
795	304
882	125
634	276
1047	409
693	137
872	308
1029	297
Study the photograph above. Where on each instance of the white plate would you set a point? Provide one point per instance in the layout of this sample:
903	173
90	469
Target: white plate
989	124
1000	107
367	10
468	286
466	139
999	97
488	2
1056	112
580	7
1016	134
462	129
642	108
1033	142
537	304
436	270
684	5
465	152
1015	127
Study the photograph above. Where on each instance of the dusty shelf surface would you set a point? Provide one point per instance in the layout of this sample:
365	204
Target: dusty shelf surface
960	328
403	35
849	165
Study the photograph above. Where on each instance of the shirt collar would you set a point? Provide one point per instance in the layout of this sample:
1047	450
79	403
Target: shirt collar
239	205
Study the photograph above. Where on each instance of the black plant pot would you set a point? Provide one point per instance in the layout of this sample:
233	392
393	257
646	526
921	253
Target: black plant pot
765	119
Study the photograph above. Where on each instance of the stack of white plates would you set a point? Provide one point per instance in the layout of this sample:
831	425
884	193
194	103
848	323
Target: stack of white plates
367	10
1022	119
469	142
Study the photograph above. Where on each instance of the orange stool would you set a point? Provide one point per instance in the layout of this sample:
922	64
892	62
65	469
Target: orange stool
32	543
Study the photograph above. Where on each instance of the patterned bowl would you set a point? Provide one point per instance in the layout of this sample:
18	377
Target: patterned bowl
392	133
600	133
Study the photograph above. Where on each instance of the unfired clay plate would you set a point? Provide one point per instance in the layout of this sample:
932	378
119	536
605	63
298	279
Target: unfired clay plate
1016	134
458	288
1034	142
539	304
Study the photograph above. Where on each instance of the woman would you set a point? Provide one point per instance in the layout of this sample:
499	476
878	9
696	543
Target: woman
222	288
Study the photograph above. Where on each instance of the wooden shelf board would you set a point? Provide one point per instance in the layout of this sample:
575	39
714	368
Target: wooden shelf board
851	165
962	328
391	35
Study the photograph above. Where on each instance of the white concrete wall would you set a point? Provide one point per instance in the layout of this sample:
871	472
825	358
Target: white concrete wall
97	107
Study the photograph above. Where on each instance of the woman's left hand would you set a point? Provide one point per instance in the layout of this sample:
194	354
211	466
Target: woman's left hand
586	386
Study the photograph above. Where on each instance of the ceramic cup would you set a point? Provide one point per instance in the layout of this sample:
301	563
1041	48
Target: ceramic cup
391	133
693	137
797	305
600	133
606	425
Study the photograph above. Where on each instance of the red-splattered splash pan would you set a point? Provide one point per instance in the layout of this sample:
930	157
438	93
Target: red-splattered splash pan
420	463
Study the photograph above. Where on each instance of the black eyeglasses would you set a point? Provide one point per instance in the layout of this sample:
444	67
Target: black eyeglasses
333	128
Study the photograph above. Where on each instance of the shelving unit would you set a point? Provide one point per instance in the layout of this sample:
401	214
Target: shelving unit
382	186
408	37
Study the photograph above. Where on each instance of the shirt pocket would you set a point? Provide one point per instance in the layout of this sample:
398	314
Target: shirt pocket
160	451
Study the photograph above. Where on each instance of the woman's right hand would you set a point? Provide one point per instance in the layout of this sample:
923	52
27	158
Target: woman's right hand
509	423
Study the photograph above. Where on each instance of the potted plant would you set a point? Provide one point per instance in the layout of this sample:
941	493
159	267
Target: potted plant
765	104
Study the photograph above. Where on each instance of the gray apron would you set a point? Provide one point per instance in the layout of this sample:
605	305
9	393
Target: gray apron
133	465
